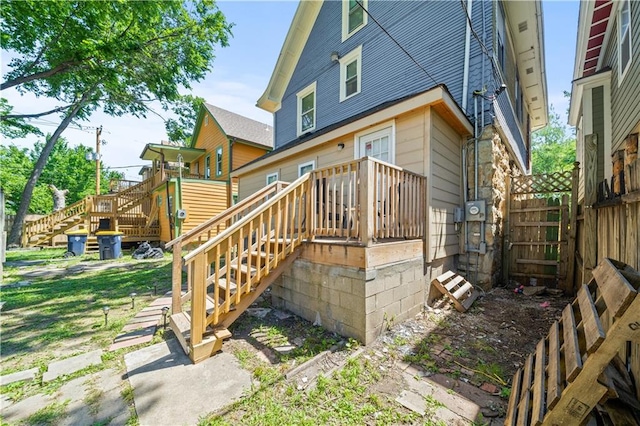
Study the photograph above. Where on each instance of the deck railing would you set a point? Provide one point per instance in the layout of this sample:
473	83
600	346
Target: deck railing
366	200
363	200
47	223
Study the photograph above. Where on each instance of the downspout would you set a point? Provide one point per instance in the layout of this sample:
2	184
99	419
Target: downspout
467	48
167	193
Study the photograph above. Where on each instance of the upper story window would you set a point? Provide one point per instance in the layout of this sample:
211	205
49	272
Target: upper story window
219	161
350	73
207	167
307	109
501	37
354	16
206	120
519	100
624	39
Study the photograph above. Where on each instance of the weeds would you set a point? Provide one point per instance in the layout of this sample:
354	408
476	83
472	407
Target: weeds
49	415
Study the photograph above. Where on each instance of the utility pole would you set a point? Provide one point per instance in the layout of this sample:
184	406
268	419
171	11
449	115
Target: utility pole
98	133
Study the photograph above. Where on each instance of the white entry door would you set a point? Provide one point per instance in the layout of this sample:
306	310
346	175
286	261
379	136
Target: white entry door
377	144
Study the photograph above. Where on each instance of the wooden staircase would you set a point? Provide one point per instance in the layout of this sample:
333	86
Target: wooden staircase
41	231
226	274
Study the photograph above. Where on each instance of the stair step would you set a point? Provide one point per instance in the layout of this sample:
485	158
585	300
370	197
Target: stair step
243	269
223	282
255	255
180	324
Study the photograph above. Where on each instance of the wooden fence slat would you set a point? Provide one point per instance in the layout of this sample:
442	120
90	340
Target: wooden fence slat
615	289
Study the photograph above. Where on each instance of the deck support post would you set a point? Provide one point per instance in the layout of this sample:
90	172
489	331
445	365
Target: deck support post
590	243
366	200
176	278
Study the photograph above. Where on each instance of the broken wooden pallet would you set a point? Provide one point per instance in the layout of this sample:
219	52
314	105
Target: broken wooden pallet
559	384
457	289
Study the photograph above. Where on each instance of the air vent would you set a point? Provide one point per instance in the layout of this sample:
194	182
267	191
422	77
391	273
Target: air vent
530	70
535	98
537	118
522	26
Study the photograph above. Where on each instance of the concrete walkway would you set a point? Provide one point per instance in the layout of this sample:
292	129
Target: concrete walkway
141	328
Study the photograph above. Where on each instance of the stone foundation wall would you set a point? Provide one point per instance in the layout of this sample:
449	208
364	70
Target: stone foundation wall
494	168
351	301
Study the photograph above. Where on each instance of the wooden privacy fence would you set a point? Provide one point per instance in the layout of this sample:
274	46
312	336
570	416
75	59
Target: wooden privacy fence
540	243
570	371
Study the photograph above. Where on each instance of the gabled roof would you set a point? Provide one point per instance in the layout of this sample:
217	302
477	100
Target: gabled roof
240	127
594	26
295	41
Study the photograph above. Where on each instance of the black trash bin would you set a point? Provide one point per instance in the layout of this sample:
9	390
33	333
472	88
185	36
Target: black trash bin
76	242
110	244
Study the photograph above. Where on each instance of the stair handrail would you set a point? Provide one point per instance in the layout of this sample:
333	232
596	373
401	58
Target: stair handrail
140	191
239	224
226	215
33	227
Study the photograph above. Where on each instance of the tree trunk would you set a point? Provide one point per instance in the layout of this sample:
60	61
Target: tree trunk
27	193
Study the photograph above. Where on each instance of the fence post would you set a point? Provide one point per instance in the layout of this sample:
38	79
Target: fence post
589	252
506	233
573	229
198	300
367	209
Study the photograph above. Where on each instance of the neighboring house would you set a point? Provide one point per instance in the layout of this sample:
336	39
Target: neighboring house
221	141
606	113
410	84
183	187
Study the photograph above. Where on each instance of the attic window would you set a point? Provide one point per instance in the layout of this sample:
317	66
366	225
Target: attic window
354	16
307	109
206	120
624	40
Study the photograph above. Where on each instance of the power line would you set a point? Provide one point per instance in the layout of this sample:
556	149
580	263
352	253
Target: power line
396	42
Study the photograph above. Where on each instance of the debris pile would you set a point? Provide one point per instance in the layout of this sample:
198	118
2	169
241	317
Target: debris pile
145	251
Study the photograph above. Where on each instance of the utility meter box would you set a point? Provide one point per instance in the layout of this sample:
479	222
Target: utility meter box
475	211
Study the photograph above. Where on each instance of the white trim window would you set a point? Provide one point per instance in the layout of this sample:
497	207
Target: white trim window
306	167
306	109
351	73
272	177
354	16
501	38
624	38
378	142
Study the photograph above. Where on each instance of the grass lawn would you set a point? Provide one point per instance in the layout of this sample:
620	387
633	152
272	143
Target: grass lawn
60	312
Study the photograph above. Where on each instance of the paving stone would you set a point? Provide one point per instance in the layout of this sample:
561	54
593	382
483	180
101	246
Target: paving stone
138	325
138	320
489	387
25	408
163	301
134	334
131	342
258	312
5	401
413	402
25	375
71	365
285	349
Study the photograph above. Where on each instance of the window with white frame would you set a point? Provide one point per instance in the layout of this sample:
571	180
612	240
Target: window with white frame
307	109
306	167
207	167
378	143
624	38
272	177
350	73
206	120
219	161
354	16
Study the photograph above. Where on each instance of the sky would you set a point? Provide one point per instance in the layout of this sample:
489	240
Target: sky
242	71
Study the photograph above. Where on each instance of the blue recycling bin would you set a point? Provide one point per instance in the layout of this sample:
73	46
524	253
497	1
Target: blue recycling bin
76	242
110	244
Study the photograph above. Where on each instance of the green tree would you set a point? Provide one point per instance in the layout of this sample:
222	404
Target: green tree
67	168
115	56
553	148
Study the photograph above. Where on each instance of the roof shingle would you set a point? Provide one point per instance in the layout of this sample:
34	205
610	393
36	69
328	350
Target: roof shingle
240	127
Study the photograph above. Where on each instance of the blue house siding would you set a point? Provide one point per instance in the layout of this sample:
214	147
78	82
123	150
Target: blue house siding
387	72
433	32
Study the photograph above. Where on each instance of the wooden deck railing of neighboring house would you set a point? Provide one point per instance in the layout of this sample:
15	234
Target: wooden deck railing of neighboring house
118	185
128	204
364	200
185	175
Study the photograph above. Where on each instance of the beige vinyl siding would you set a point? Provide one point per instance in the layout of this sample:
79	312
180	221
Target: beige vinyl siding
625	108
445	188
202	201
410	136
